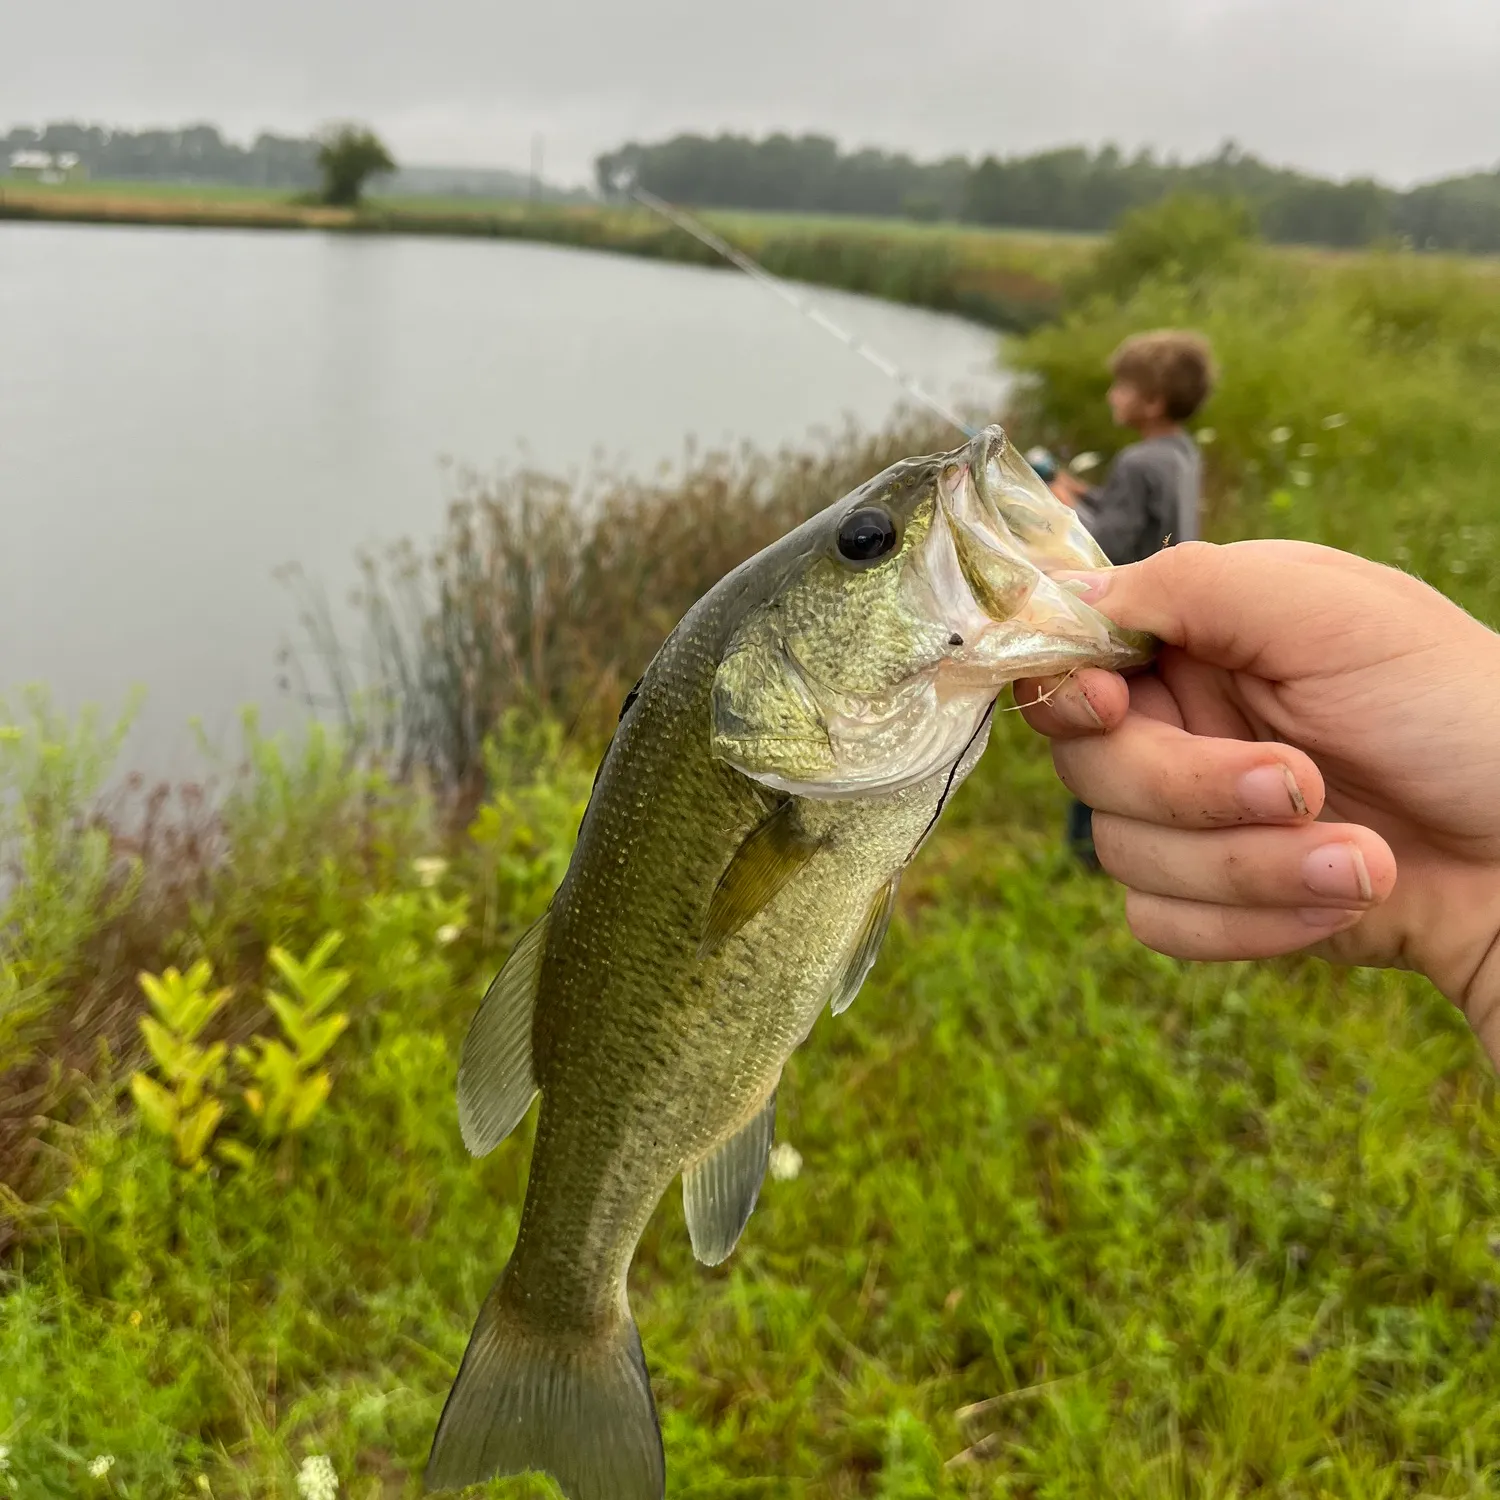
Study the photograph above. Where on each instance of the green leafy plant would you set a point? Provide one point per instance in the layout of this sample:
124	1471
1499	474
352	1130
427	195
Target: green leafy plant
287	1087
68	883
1183	238
187	1106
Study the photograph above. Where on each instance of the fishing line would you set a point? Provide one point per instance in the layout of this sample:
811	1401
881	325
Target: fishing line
809	310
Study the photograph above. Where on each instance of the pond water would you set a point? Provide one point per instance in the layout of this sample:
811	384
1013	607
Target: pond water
182	411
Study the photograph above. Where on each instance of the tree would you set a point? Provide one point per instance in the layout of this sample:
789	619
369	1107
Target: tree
348	156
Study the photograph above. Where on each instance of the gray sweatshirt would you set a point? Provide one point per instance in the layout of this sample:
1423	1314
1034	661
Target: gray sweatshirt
1151	496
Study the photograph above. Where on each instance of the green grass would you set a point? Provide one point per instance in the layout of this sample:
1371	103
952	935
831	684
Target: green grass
1073	1219
1171	1231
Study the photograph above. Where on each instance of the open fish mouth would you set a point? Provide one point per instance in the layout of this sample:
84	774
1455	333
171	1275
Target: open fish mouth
856	689
987	570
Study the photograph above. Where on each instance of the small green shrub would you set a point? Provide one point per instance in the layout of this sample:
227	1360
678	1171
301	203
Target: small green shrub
286	1085
1183	238
279	1079
187	1107
61	884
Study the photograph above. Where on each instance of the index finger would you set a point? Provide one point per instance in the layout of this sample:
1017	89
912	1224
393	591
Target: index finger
1155	772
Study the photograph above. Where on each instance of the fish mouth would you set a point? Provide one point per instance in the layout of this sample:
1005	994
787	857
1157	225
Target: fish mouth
989	566
976	606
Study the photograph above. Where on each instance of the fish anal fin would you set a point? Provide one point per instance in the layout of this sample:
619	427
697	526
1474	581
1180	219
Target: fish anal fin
866	946
579	1410
719	1192
496	1080
776	848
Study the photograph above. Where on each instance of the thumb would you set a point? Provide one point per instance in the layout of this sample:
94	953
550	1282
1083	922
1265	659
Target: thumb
1274	608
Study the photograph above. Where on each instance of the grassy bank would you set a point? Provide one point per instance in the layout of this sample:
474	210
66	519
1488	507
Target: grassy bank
1072	1219
1008	281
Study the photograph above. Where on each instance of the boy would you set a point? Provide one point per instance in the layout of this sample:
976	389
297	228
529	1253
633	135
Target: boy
1151	496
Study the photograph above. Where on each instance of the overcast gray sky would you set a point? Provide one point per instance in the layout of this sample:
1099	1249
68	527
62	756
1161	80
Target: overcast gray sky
1401	88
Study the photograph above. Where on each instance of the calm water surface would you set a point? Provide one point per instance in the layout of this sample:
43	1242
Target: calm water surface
182	411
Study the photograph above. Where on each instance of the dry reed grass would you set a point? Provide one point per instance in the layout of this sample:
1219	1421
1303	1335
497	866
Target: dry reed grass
550	596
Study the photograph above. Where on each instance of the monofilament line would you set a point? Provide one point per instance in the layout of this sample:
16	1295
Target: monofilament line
788	294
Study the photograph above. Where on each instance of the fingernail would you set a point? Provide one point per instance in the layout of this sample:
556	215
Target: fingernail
1271	792
1337	870
1088	710
1328	918
1090	587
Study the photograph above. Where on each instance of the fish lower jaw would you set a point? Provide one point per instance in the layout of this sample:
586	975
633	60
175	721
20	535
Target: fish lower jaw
1002	653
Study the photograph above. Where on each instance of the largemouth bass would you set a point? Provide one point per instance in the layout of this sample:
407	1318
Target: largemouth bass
773	773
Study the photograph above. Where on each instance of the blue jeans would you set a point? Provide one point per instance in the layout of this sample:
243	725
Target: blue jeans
1081	833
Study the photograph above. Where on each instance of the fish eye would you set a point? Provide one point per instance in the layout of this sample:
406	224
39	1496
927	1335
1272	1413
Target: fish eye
866	534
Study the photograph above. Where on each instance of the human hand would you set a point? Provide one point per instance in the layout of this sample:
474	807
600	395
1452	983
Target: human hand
1315	724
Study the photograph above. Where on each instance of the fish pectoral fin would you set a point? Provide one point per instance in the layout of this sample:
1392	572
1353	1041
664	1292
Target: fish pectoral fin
719	1192
866	947
496	1081
774	851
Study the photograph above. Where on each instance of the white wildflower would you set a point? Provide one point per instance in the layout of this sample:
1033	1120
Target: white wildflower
1335	419
1302	477
785	1161
1307	450
429	869
1205	436
449	932
99	1467
1084	462
1280	435
4	1457
317	1479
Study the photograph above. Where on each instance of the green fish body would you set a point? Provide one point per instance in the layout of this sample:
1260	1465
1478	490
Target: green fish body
784	756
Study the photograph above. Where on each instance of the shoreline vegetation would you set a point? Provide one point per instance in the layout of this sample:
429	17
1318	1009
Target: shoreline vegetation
1006	280
1062	188
1068	1217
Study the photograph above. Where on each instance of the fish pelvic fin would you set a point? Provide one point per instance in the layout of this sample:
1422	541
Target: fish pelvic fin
578	1409
866	949
496	1081
719	1192
775	849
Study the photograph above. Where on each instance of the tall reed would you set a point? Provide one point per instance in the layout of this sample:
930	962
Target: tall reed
552	595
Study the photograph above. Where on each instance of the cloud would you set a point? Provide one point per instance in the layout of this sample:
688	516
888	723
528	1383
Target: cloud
1341	86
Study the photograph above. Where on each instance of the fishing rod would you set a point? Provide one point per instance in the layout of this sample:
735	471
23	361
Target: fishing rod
793	298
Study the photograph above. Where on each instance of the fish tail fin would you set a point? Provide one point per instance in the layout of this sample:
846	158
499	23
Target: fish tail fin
576	1408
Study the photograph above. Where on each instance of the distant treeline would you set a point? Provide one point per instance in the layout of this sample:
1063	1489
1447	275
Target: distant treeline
1070	188
198	153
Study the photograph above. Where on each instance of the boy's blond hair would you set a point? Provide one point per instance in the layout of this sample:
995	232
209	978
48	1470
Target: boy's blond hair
1170	364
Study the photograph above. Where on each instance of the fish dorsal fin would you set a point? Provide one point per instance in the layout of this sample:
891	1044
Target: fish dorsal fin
496	1082
866	948
774	851
719	1192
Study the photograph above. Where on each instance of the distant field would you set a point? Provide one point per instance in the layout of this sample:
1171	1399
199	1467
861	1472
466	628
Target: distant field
1010	278
176	192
